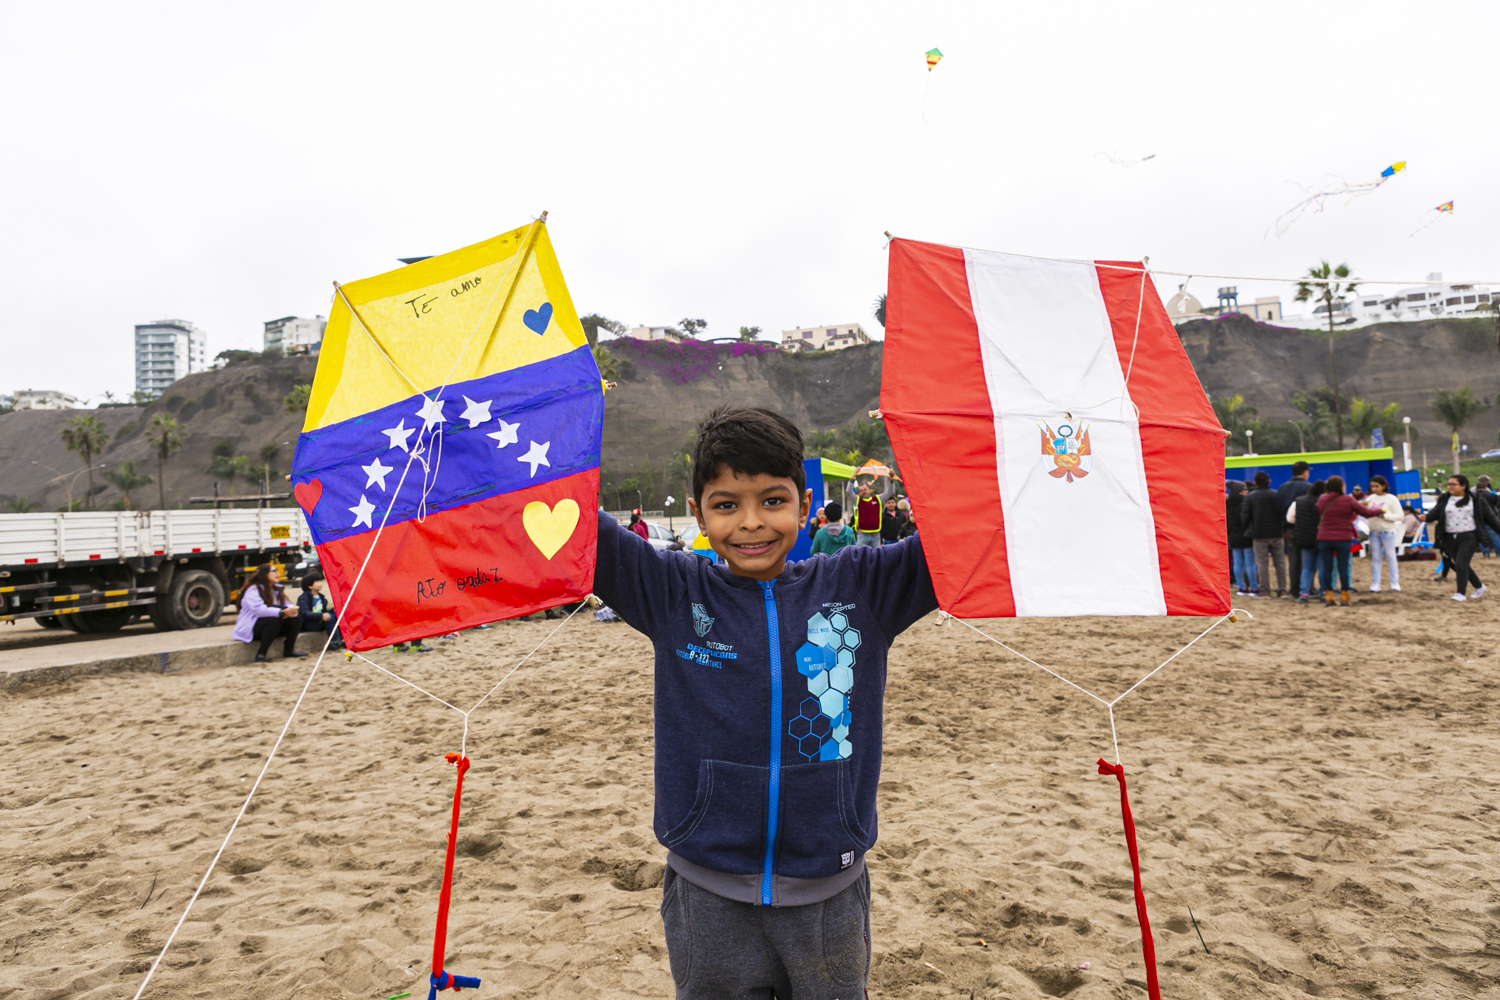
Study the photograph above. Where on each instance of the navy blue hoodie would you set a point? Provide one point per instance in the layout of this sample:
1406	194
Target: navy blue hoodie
769	699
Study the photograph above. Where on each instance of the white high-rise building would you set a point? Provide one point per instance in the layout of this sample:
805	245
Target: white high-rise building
295	334
165	351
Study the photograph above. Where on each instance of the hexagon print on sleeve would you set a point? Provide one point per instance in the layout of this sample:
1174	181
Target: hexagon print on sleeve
821	727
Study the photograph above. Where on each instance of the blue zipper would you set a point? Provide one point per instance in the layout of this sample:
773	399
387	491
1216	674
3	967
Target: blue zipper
768	588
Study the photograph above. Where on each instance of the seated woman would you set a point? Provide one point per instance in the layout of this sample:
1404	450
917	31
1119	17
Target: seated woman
265	613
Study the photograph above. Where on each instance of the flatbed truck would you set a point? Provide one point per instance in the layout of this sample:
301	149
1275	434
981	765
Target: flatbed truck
98	571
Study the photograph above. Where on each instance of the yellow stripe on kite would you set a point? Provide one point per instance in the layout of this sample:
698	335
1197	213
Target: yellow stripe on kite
420	317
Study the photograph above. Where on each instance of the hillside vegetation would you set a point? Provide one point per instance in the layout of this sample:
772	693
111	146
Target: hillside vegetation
238	417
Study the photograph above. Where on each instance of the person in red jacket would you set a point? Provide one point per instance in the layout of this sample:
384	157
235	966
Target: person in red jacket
638	526
1336	534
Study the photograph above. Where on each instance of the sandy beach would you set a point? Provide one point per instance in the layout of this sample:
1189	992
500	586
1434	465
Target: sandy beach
1317	785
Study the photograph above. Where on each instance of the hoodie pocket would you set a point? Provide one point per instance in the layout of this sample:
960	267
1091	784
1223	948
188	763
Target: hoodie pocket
728	817
820	830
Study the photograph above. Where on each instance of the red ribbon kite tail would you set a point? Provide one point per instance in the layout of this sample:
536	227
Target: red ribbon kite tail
1148	950
442	979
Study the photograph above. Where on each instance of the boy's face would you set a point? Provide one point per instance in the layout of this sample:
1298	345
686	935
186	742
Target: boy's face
752	522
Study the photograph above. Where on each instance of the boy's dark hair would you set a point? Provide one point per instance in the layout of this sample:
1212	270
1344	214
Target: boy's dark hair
1262	479
749	440
834	511
1299	467
310	579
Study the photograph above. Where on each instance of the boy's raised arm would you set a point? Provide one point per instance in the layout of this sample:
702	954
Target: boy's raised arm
896	583
639	584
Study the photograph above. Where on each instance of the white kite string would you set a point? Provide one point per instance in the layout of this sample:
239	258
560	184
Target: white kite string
1108	705
464	745
323	652
275	747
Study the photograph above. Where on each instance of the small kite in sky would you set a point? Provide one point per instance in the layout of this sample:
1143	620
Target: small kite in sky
1446	208
1332	188
1125	161
933	58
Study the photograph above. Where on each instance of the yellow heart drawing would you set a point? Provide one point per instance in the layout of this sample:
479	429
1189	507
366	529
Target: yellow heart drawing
550	529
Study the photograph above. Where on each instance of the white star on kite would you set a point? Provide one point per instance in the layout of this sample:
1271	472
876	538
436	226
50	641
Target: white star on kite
475	412
398	436
537	456
506	434
362	513
376	472
431	412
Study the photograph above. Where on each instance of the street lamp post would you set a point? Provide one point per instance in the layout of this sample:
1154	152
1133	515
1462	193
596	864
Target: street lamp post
71	477
1406	445
1249	442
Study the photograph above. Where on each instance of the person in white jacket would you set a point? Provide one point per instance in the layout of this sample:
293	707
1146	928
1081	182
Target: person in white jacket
1384	532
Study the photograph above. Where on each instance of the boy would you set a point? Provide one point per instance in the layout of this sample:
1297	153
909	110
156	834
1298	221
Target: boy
834	534
769	687
317	611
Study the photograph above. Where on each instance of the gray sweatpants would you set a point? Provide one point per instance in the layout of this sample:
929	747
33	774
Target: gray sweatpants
1270	550
720	949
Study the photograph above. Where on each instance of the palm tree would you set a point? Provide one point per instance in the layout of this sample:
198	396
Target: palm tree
166	436
879	313
229	469
1332	293
296	400
749	333
127	479
87	436
609	365
1234	416
865	437
1456	409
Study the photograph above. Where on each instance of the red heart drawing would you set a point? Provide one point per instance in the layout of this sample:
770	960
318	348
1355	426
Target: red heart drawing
308	495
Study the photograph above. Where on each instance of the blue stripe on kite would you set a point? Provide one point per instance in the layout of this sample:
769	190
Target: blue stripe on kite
556	403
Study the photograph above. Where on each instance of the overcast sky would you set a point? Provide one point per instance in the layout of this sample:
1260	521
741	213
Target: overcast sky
224	163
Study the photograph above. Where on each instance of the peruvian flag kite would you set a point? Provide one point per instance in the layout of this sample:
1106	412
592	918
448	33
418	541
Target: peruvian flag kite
1061	455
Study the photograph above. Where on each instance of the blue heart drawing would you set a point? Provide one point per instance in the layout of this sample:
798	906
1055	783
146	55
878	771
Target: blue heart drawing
536	320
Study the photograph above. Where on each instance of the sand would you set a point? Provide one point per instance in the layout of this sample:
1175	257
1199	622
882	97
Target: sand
1318	785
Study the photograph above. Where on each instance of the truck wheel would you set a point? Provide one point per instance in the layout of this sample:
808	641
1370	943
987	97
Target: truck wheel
48	621
196	599
161	614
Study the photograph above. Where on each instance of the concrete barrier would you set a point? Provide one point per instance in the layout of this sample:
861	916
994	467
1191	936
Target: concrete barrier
218	654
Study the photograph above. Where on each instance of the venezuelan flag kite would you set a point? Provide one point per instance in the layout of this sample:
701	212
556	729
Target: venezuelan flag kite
1061	455
450	458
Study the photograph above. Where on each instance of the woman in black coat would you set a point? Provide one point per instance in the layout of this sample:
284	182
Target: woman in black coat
1241	548
1303	516
1457	518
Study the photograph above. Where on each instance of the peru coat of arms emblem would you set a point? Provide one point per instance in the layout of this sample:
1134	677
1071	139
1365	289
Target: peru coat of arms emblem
1069	450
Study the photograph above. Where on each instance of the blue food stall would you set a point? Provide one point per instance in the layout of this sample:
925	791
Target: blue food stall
824	478
1355	465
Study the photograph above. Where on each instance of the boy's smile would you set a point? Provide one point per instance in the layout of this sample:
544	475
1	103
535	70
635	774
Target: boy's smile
752	522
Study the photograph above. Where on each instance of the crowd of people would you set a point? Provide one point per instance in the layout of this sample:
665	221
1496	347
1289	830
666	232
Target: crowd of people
878	519
1306	531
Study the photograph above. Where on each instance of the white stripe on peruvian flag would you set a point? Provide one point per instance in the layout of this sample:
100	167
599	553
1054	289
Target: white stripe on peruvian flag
991	361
